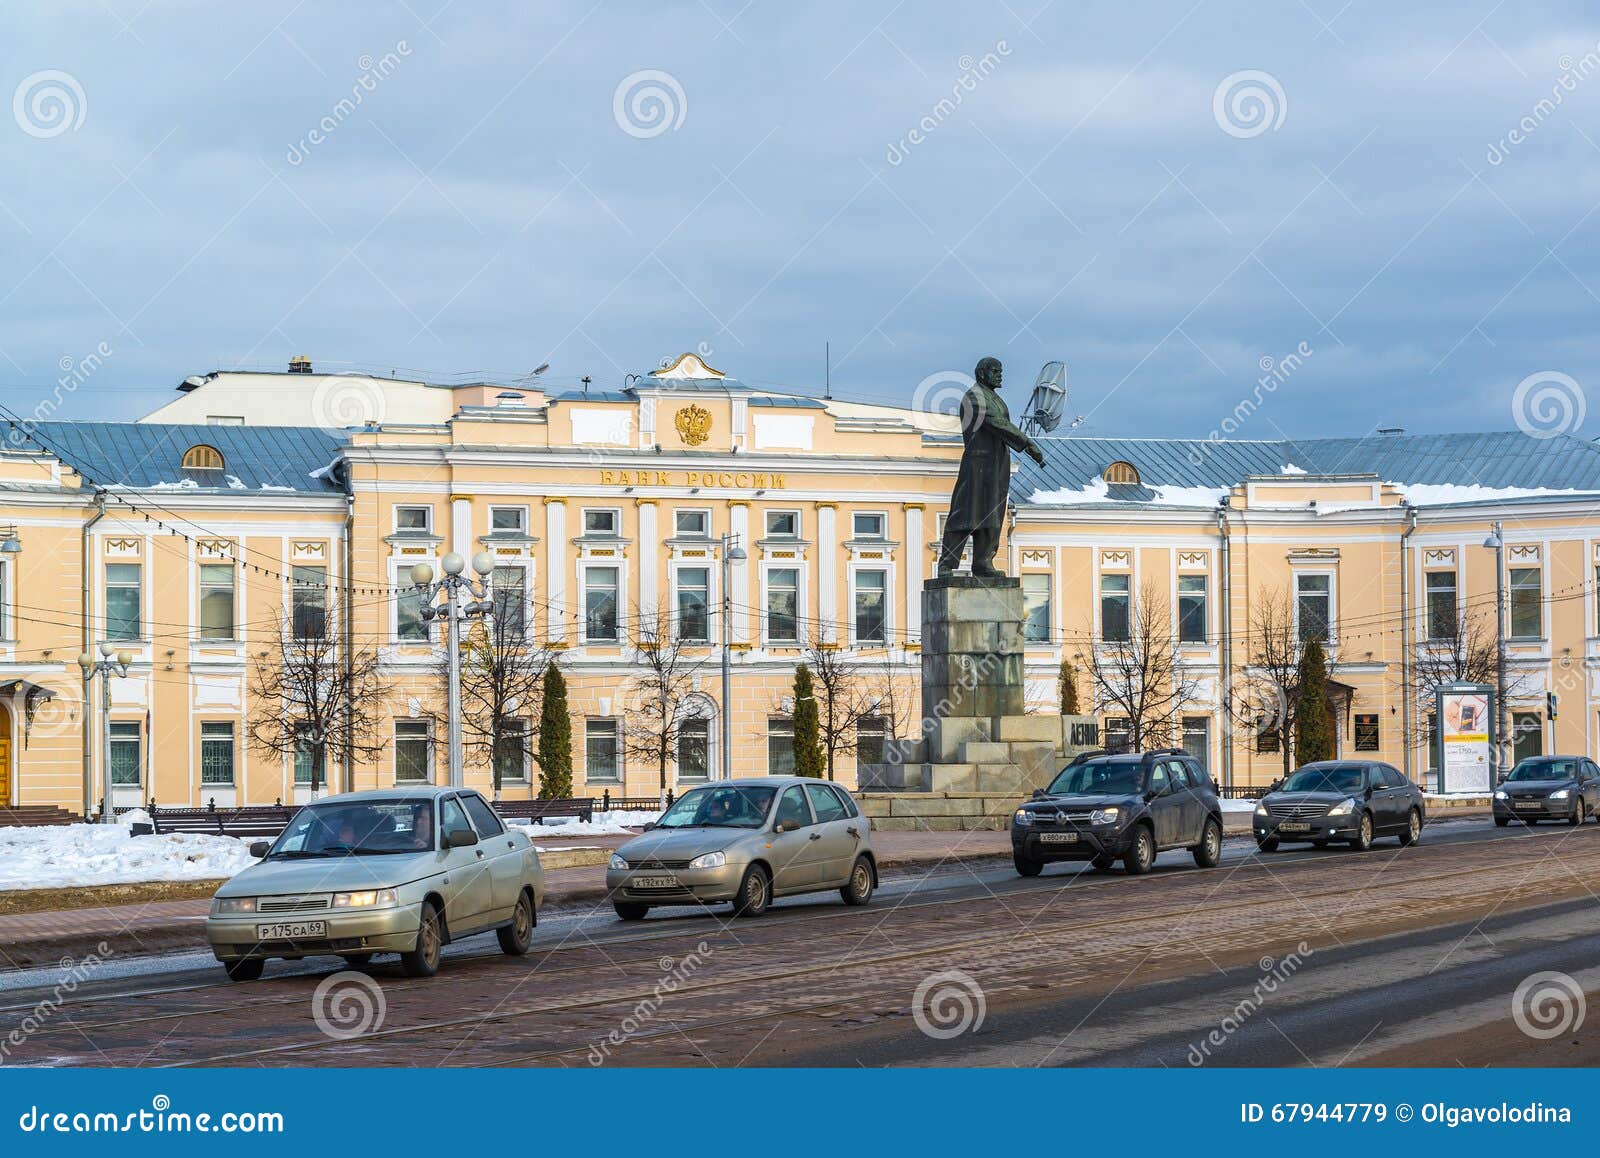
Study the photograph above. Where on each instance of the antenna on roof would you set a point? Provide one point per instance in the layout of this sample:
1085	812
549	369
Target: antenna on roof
827	370
585	381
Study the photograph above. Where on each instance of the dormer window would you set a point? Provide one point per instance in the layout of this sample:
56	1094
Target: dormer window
202	457
1122	472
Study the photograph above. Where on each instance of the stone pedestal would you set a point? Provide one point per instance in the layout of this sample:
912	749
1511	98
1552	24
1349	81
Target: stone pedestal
971	648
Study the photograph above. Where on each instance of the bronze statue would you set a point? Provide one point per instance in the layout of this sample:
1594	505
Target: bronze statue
978	506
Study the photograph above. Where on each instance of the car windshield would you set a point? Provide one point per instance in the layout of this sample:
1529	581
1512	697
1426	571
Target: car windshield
1545	770
724	806
1328	778
358	828
1100	778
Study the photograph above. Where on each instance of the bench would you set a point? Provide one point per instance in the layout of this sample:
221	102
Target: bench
252	821
539	810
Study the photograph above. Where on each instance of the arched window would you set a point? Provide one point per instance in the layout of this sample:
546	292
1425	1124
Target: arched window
1122	472
202	457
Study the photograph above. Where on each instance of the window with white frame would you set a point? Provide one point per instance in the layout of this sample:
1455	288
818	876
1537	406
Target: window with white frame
127	756
1115	597
508	520
868	524
601	521
1036	608
124	597
783	524
694	749
216	600
1197	739
309	602
694	598
1313	602
691	524
413	519
1118	733
409	625
216	753
783	605
305	754
602	750
413	752
872	606
1441	597
1527	603
600	604
780	746
1191	608
508	587
511	751
871	731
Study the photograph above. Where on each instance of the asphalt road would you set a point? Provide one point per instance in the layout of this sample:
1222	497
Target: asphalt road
1301	957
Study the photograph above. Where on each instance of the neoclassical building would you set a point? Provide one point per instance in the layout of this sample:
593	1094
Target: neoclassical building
259	505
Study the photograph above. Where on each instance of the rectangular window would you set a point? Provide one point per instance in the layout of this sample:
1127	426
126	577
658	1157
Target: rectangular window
599	522
602	755
1036	608
600	604
1441	604
414	519
870	734
1118	733
216	753
410	627
309	594
1313	606
694	750
1527	603
1197	739
780	746
694	596
508	588
508	520
413	752
1115	595
126	755
783	605
216	601
1367	739
1191	608
1527	735
868	524
872	608
305	755
511	750
783	524
691	524
123	599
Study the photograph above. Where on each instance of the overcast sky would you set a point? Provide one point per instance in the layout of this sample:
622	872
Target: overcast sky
1165	195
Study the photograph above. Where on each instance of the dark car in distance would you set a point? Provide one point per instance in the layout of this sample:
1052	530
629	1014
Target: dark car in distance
1103	808
1350	801
1549	788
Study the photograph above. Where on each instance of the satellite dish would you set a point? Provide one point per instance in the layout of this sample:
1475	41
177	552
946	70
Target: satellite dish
1049	399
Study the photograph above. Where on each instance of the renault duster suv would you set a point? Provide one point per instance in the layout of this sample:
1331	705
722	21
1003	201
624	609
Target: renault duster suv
1104	808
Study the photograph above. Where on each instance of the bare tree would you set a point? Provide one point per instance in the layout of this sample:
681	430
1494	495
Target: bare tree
1269	684
314	691
1142	677
850	692
502	679
1466	652
659	697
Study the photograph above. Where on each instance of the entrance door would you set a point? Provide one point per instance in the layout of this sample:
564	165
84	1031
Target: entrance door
5	757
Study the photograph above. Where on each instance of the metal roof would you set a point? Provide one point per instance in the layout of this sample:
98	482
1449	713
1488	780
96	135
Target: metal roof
143	456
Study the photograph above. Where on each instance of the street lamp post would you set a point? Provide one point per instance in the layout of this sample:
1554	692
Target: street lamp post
111	662
1496	543
731	553
452	584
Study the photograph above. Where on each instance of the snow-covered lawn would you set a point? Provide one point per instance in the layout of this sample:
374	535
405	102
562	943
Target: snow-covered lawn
604	824
104	854
1239	805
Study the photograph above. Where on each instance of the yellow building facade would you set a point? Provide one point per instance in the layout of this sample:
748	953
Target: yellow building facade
196	545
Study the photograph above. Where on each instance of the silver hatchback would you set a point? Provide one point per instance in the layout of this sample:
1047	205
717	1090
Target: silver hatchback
746	842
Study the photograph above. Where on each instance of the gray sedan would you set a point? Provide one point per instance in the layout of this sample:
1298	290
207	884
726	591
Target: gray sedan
402	870
746	842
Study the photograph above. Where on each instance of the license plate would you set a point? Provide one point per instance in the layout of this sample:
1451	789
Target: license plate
1058	837
1294	826
291	930
1531	805
654	882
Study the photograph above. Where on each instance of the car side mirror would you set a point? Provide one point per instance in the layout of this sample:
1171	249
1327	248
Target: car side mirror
260	848
1275	785
647	826
460	838
786	826
1038	794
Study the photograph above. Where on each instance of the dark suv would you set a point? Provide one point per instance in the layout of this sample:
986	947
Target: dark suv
1104	808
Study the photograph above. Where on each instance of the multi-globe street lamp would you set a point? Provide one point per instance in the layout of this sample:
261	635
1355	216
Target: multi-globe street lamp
111	662
452	584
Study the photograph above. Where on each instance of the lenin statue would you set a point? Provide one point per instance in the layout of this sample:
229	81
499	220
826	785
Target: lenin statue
978	506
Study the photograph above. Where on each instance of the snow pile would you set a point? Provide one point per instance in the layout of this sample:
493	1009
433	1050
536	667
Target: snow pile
1438	494
1096	491
1170	496
235	483
1290	468
1239	805
604	824
104	854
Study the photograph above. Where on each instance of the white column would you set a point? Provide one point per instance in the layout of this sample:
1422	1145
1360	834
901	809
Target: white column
916	552
555	583
649	558
739	574
828	576
461	527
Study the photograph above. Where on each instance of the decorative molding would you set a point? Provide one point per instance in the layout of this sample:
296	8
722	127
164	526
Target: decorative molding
1032	558
738	502
1313	555
123	548
1439	557
1116	559
306	549
693	423
213	548
1524	553
1193	560
826	506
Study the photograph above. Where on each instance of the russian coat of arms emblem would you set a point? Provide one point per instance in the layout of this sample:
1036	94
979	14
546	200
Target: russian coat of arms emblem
693	423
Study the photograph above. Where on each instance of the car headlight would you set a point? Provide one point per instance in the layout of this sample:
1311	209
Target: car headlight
1563	794
1500	794
365	899
234	905
620	864
708	860
1105	815
1261	809
1343	808
1023	817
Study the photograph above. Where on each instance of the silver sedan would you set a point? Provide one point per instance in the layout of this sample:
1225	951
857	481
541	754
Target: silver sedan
746	842
401	870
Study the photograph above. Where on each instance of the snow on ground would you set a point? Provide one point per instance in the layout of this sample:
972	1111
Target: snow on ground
1239	805
604	824
104	854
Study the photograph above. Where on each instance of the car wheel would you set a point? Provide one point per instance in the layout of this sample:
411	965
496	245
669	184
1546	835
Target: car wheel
755	893
859	889
1363	837
248	969
630	911
1103	861
1413	832
1141	855
1026	865
1208	853
1501	821
423	960
1579	813
516	937
1270	844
